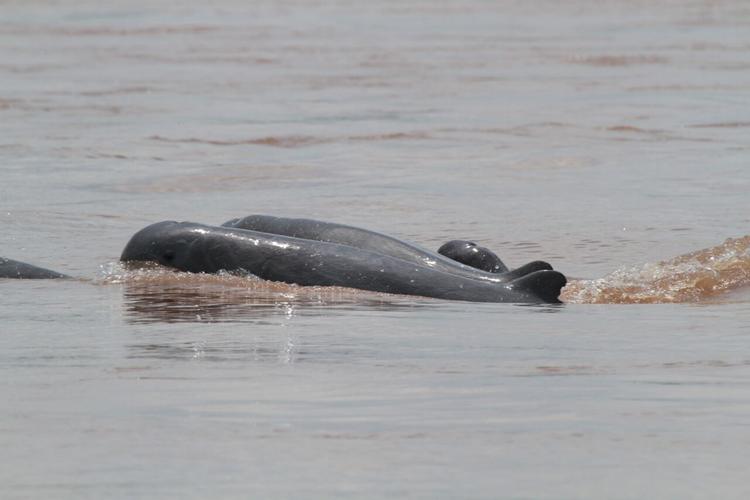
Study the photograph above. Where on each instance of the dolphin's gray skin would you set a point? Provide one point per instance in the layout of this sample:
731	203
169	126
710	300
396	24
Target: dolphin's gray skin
376	242
471	254
20	270
198	248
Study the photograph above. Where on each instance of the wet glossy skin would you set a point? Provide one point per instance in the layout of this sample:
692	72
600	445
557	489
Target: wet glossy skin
473	255
462	260
198	248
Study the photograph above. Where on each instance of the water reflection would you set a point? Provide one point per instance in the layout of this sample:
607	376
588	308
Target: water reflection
280	351
543	308
181	297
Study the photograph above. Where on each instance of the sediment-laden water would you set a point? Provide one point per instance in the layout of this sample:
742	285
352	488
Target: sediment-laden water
608	139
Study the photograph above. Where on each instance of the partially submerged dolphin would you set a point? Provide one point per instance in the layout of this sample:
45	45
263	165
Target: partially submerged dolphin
354	259
462	258
20	270
316	253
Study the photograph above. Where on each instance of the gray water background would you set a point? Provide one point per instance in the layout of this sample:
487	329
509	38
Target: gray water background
592	135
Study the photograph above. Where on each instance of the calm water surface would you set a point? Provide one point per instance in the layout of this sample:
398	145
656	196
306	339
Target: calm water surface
597	137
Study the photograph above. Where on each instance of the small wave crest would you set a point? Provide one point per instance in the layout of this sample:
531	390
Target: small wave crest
693	277
295	141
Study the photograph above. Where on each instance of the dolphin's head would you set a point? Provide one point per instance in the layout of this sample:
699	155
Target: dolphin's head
168	243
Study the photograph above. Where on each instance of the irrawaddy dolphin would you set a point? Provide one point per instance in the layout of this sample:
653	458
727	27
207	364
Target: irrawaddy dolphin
332	256
462	258
316	253
20	270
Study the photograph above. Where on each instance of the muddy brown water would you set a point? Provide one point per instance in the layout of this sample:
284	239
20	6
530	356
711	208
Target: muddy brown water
610	139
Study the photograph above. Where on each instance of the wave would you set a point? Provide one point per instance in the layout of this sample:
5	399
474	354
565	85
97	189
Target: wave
617	60
295	141
290	141
693	277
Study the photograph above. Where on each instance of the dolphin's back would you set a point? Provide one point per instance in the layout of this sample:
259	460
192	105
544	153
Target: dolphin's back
14	269
364	239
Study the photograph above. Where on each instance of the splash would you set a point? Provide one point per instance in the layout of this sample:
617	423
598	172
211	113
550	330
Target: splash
153	293
693	277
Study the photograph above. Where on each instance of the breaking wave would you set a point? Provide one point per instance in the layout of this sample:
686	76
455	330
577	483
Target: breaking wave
693	277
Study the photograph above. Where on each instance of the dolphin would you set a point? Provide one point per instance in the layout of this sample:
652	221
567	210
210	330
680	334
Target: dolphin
20	270
458	260
200	248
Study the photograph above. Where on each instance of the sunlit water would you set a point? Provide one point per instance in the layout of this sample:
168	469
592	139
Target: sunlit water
610	140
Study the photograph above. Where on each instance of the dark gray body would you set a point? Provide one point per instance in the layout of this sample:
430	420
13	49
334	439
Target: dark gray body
376	242
473	255
19	270
198	248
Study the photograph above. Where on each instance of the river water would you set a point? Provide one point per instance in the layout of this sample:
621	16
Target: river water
608	138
